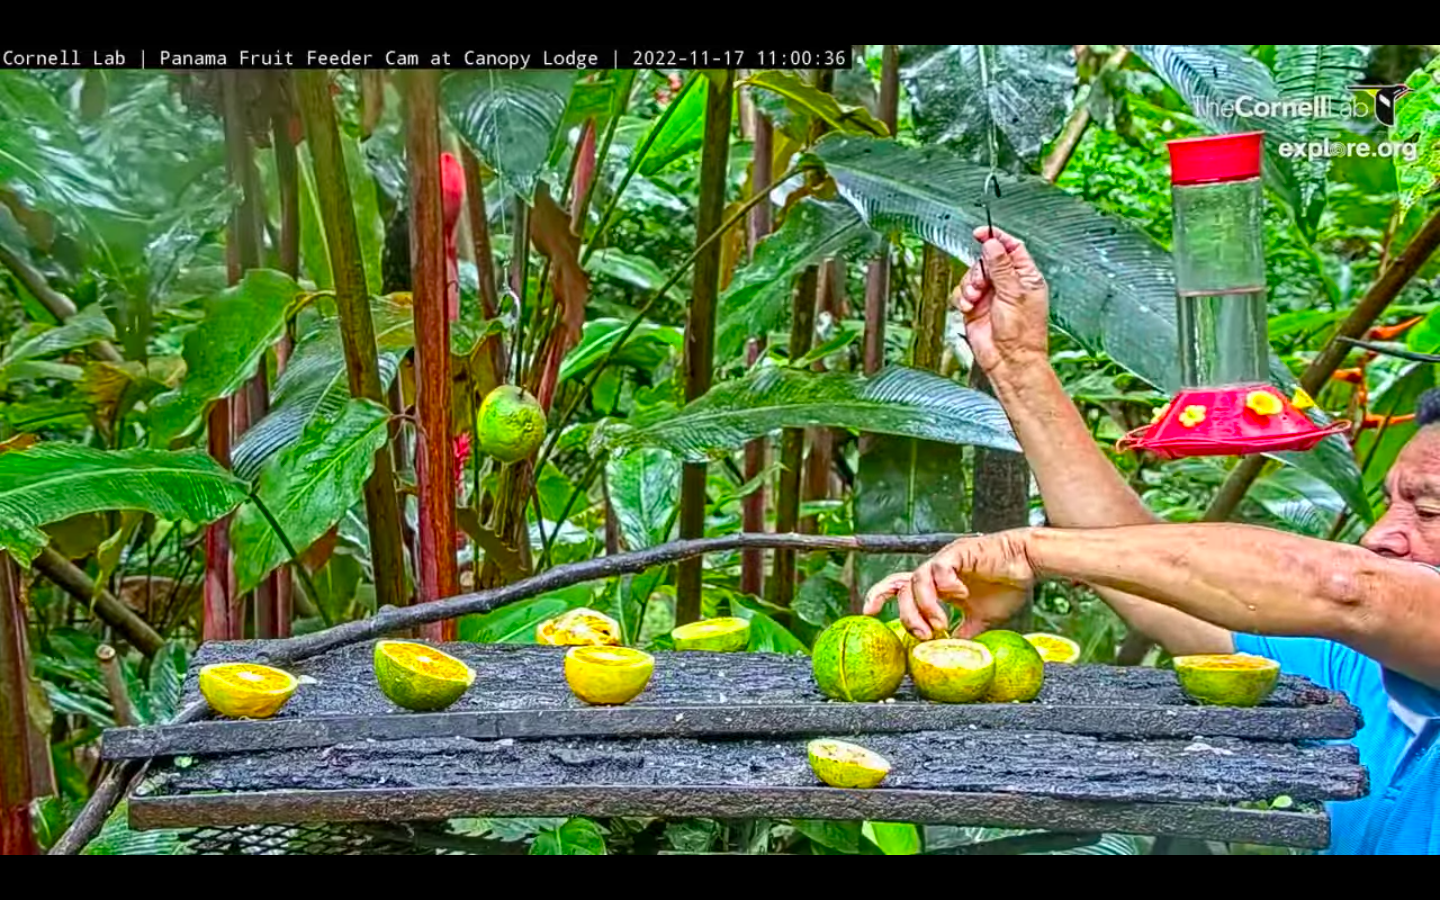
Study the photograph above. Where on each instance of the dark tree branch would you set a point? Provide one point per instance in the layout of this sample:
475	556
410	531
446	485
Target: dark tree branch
126	622
58	305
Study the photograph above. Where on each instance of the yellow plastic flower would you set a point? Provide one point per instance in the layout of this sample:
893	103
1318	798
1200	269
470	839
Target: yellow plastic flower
1264	403
1164	411
1192	416
1303	400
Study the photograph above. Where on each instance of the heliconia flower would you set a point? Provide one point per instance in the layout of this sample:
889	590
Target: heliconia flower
1193	416
1303	400
462	456
1394	331
1374	422
452	190
1349	376
1264	403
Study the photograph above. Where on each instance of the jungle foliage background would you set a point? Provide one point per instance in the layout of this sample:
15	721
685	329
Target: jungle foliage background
187	385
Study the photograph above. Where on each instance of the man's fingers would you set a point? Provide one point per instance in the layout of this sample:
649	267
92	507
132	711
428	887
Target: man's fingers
910	614
951	587
927	598
882	593
1015	248
1003	275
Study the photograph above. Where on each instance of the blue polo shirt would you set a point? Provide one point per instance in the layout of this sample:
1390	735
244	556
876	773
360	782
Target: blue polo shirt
1401	817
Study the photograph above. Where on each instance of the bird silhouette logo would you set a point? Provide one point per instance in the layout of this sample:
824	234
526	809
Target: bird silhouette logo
1386	99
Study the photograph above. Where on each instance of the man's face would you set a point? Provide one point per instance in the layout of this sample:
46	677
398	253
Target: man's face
1411	528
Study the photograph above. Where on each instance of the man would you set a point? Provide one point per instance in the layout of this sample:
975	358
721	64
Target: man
1361	620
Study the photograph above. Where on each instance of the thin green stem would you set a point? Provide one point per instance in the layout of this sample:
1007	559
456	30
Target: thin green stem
295	564
582	487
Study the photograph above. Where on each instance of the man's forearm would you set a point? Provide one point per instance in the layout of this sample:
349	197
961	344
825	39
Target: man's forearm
1257	581
1080	486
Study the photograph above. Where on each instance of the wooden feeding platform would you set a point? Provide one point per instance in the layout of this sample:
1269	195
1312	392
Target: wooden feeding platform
724	737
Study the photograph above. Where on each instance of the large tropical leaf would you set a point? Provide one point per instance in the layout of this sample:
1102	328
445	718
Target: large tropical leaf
679	131
224	351
804	97
759	298
516	624
85	328
1112	287
906	486
53	482
963	93
577	837
315	385
898	401
1213	79
1418	120
1305	73
307	488
644	488
509	119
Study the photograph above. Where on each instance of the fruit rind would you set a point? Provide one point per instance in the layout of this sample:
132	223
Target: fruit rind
417	691
511	424
608	676
939	680
248	704
1054	649
858	660
579	628
847	766
712	636
1019	668
910	641
1237	681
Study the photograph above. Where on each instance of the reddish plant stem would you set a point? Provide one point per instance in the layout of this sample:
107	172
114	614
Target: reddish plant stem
484	260
757	452
700	329
357	328
280	585
438	573
17	836
877	277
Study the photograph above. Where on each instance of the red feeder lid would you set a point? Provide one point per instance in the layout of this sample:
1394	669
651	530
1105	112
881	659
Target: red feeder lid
1231	421
1209	160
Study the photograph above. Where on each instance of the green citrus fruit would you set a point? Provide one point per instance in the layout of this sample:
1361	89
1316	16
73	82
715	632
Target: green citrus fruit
1055	649
608	676
245	690
910	641
847	766
1019	668
859	660
420	678
511	424
1239	681
952	671
714	636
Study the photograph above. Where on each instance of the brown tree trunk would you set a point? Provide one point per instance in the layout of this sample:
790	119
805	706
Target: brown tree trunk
700	329
438	573
17	835
757	452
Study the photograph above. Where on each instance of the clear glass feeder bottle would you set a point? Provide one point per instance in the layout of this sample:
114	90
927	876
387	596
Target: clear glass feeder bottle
1220	276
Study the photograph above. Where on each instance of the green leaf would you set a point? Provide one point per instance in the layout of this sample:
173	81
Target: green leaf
224	351
1418	120
636	271
644	486
894	839
759	298
898	401
905	486
1303	73
83	329
307	488
766	634
1212	79
804	97
516	624
116	839
1112	287
509	119
961	93
577	837
315	385
680	130
53	482
822	601
167	682
366	203
844	837
648	347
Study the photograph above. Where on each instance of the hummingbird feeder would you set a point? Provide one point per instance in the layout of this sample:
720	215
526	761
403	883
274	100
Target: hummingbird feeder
1226	405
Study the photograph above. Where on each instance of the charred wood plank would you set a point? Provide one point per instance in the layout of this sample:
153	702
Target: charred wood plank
298	807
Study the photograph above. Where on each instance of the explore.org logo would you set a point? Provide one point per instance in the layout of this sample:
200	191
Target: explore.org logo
1368	101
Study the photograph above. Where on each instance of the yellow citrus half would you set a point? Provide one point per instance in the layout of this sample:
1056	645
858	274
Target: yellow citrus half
579	628
713	636
952	671
910	641
608	676
245	690
847	766
1239	681
420	678
1055	649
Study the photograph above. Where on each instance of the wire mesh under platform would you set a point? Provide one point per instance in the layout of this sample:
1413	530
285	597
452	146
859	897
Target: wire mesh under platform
337	840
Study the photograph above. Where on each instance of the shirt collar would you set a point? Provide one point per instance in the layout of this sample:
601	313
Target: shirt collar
1414	704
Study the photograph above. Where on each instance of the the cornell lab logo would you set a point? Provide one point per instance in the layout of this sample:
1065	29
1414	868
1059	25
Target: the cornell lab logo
1386	97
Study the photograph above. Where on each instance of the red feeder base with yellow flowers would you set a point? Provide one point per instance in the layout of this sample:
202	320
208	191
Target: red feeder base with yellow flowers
1228	407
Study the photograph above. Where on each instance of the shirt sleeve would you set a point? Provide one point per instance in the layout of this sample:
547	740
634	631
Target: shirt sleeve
1304	657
